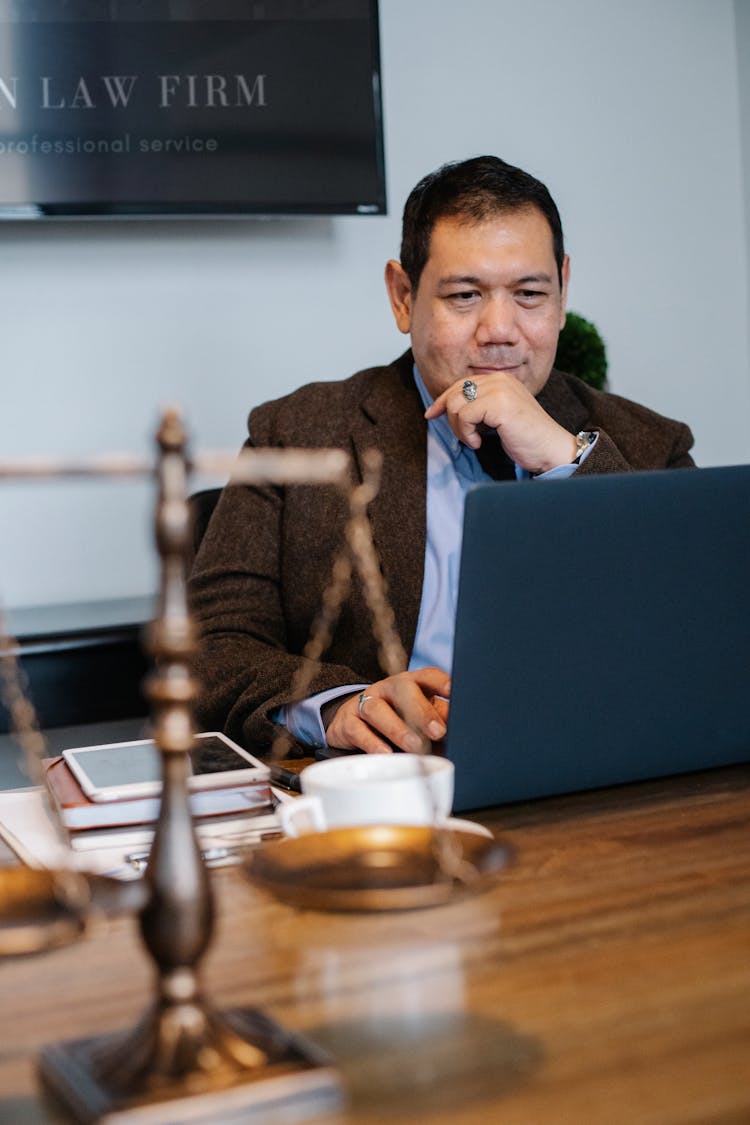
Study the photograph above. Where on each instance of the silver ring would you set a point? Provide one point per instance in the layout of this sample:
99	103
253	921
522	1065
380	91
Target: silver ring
362	699
469	390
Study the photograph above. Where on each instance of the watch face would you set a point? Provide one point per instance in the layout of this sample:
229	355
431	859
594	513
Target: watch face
584	439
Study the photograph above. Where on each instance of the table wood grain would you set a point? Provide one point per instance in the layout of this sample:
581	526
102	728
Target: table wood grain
604	979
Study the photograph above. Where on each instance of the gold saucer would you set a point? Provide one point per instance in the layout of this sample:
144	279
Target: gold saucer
377	867
42	909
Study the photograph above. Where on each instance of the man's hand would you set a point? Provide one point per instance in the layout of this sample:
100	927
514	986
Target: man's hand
529	436
399	711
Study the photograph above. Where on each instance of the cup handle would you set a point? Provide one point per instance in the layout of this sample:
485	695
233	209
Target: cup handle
302	815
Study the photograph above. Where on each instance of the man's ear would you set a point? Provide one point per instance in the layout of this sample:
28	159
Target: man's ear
399	294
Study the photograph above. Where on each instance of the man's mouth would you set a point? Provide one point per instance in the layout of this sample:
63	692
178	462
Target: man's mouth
494	368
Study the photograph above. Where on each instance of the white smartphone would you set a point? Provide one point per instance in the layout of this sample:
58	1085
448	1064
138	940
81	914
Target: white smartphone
120	771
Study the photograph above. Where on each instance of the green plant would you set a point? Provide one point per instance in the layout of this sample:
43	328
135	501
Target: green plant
581	351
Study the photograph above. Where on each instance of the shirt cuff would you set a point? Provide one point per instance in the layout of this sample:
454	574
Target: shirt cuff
562	472
302	719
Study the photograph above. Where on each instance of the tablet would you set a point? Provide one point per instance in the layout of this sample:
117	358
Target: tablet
120	771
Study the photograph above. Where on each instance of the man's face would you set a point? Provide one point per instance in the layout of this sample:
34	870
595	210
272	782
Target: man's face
489	299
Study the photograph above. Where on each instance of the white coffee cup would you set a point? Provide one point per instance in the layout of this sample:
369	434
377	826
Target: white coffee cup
370	789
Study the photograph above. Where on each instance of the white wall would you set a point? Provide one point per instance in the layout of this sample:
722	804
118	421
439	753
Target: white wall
742	19
628	109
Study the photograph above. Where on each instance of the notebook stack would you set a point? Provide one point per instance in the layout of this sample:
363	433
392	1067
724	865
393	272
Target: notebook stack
227	816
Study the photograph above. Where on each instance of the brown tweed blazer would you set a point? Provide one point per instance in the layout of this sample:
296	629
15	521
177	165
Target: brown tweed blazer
266	556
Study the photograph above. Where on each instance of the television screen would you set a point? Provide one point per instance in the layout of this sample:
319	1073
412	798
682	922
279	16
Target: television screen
189	107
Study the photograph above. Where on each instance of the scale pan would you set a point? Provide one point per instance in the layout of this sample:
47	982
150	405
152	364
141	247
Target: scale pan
42	909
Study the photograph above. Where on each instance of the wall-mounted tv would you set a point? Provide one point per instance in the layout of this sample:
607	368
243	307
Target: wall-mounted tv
157	108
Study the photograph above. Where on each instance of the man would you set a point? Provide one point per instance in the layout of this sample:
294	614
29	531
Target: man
481	290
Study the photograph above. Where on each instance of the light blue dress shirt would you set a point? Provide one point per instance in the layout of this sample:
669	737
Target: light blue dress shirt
452	469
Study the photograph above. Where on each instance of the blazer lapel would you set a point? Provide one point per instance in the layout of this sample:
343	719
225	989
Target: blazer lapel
561	404
391	420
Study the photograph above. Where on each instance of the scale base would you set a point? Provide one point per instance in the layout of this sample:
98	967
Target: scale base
286	1079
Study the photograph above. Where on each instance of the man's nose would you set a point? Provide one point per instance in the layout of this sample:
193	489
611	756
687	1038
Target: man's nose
497	322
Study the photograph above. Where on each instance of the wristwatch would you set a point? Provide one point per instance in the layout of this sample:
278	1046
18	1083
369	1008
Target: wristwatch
584	438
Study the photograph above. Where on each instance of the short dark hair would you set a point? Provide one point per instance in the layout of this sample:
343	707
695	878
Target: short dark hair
474	190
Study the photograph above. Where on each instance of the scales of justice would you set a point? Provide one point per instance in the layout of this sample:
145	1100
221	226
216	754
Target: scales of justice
185	1060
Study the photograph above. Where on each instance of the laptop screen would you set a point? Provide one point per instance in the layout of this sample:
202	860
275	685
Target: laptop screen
602	632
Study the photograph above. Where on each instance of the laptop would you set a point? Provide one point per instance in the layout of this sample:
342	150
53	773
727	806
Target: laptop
602	633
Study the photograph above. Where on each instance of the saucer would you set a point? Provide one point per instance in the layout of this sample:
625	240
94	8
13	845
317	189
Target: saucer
378	867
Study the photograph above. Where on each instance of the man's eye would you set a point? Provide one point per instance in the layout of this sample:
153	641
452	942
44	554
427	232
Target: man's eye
464	296
530	294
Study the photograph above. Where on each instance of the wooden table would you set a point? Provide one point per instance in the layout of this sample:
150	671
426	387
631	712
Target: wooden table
605	979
